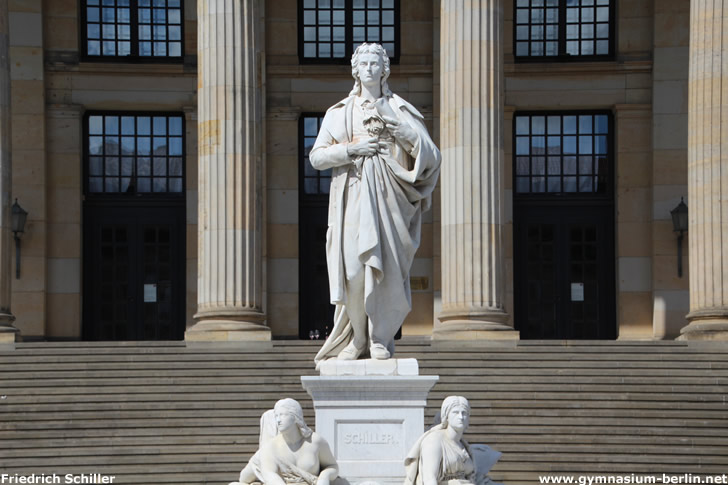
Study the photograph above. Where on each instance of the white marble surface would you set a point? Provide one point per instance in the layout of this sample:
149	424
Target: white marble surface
369	367
370	421
384	168
441	454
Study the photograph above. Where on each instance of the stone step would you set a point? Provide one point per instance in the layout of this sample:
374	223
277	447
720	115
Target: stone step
38	441
487	379
237	411
646	368
480	400
503	407
161	456
163	413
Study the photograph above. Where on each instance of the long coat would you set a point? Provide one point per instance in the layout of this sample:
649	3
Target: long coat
395	190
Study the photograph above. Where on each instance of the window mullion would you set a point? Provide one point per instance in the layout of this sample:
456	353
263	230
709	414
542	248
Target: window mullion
562	27
134	18
349	27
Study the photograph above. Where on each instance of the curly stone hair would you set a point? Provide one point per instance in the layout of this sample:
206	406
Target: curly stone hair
370	48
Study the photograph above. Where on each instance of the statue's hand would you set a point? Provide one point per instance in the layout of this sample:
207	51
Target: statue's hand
363	148
401	131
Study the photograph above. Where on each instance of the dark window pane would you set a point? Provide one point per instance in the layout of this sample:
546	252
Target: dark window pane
522	125
95	166
175	184
124	174
175	166
555	153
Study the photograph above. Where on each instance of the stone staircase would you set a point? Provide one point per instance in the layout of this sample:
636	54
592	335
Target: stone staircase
162	413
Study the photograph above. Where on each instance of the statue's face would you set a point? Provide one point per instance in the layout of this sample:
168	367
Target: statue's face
458	418
285	421
370	69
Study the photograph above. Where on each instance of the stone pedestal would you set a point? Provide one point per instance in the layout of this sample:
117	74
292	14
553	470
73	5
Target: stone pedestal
471	134
707	169
230	128
371	413
8	333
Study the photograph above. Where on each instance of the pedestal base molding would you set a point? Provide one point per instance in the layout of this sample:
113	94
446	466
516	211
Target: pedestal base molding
474	325
706	325
228	326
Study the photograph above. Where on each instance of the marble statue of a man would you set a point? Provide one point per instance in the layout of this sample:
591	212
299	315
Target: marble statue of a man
385	167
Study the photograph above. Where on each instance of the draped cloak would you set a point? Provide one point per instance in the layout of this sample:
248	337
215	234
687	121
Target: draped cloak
396	187
465	463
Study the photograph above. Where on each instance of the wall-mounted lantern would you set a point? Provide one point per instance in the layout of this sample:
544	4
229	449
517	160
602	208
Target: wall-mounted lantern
680	225
19	216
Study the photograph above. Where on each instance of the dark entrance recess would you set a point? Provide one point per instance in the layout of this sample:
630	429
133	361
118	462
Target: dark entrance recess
564	267
563	227
134	273
134	226
316	312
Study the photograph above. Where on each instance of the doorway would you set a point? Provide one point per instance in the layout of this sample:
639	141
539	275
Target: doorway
564	267
563	225
134	226
134	273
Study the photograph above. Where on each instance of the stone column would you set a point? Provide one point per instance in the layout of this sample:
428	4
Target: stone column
471	138
230	130
8	333
708	171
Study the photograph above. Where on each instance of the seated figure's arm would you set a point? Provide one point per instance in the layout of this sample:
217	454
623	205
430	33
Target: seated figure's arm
329	467
431	460
268	465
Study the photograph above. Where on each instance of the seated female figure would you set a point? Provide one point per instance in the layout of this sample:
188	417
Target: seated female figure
441	455
295	455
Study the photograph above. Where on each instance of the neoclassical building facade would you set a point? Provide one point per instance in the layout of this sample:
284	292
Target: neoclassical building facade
160	150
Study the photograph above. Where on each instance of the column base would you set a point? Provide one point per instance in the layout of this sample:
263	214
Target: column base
474	325
8	333
228	326
706	325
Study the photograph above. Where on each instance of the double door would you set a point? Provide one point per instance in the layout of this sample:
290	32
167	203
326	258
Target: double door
134	273
564	274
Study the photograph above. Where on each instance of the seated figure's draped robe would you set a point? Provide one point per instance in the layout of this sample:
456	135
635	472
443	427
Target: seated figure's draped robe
460	462
454	461
395	188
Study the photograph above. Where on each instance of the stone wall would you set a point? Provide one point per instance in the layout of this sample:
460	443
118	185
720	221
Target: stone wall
645	87
30	293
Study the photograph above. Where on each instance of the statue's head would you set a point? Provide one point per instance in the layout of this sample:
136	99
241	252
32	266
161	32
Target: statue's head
455	412
289	412
367	48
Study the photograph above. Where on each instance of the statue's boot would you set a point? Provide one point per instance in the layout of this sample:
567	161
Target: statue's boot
351	351
379	351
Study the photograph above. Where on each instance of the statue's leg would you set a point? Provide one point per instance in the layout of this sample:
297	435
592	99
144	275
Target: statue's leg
357	316
381	344
354	275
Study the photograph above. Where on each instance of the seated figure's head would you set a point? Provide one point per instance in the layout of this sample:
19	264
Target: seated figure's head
370	48
288	413
455	413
